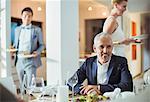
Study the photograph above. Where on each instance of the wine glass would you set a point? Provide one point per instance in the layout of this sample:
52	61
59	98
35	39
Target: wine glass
148	79
37	87
72	82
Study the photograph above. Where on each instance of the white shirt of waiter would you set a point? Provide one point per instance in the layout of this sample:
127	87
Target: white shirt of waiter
25	39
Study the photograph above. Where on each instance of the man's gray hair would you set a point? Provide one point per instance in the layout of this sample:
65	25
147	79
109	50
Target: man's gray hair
97	37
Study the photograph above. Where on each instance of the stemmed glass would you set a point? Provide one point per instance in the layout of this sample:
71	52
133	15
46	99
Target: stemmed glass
72	82
148	79
37	87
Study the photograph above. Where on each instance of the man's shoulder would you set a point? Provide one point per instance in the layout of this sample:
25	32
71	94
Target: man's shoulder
18	27
91	59
119	58
35	27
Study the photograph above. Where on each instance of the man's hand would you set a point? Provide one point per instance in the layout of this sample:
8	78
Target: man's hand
127	41
35	54
89	89
12	52
20	100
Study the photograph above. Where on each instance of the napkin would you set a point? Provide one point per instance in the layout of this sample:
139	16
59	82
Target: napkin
113	95
118	94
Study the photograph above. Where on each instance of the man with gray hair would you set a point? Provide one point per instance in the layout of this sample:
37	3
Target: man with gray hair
105	71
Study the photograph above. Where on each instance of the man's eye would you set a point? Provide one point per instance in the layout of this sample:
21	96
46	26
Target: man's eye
109	46
101	47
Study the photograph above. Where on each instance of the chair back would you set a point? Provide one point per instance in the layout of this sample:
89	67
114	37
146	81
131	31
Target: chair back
9	84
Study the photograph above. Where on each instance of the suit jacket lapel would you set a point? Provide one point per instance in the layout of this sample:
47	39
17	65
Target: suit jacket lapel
32	36
94	71
32	32
110	68
17	37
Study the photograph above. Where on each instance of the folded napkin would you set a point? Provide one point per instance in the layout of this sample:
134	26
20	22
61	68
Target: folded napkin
113	95
118	94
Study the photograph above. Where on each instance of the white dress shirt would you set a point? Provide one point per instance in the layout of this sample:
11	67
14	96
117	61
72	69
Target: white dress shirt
102	72
25	39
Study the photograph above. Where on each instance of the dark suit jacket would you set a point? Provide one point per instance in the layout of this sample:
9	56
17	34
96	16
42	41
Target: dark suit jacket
118	74
6	96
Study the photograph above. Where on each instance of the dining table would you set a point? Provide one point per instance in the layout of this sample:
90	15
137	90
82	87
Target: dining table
76	98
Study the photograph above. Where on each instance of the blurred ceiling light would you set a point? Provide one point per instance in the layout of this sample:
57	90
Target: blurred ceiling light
38	0
39	9
90	8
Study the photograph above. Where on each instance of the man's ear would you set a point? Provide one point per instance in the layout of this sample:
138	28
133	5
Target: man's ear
94	48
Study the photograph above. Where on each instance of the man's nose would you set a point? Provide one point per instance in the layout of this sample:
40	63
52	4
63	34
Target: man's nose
27	17
105	50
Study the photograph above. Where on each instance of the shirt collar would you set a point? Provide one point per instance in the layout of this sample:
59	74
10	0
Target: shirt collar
26	26
105	64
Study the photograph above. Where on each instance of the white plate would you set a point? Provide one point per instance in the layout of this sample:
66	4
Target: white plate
12	50
25	56
140	37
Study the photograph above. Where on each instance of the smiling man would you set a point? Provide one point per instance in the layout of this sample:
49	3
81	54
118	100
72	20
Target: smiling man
28	41
105	71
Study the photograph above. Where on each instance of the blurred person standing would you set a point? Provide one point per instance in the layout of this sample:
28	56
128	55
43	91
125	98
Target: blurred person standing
28	41
112	27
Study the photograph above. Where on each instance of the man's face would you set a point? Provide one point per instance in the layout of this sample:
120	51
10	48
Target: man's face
103	48
26	17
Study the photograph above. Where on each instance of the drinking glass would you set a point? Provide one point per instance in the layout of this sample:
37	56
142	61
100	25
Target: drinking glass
51	90
37	87
138	88
72	82
148	79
